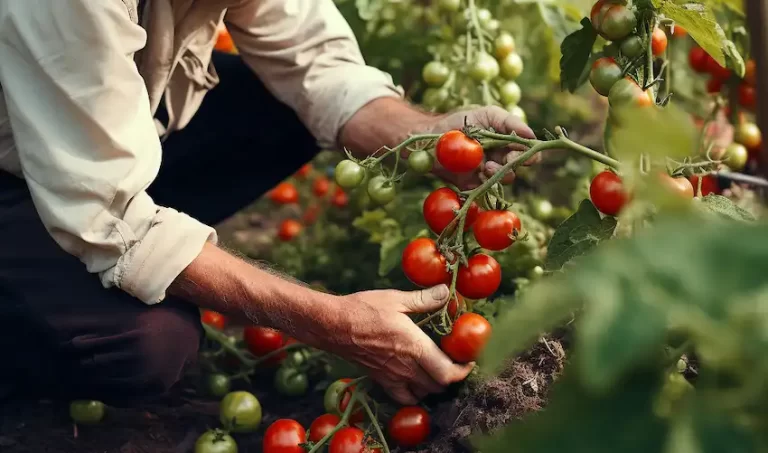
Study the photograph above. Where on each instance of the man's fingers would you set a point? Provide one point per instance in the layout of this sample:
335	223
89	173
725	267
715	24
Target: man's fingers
516	154
427	300
441	368
423	381
491	168
400	393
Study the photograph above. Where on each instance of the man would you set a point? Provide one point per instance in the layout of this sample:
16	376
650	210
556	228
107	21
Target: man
106	254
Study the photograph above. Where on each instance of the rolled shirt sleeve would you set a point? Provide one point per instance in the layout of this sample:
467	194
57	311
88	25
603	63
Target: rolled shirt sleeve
306	54
88	144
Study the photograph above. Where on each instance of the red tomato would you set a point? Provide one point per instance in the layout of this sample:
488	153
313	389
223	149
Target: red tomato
321	186
409	426
679	32
224	42
440	209
213	319
349	440
679	186
480	278
607	193
658	42
310	215
497	230
263	340
284	436
709	184
455	305
467	339
747	96
459	153
304	171
698	59
715	85
423	263
340	199
323	425
357	415
717	71
289	229
750	72
284	193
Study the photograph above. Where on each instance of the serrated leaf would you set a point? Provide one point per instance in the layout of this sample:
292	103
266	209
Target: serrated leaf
391	253
723	206
579	234
576	49
699	21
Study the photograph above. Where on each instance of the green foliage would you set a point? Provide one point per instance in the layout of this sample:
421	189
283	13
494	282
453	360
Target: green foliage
721	205
576	50
579	234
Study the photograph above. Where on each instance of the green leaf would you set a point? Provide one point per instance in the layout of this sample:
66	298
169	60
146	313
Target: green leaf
576	49
374	223
620	421
723	206
699	21
391	253
578	235
737	6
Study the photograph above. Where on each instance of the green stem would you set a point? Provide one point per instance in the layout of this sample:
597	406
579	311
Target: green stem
476	24
376	425
406	143
342	423
277	352
221	338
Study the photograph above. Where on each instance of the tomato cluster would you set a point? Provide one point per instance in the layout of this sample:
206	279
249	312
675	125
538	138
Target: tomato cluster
610	196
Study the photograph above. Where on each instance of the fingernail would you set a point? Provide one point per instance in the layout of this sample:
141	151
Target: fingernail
440	292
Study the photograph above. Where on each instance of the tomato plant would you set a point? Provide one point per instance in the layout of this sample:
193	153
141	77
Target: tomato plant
467	339
459	153
409	426
284	436
240	412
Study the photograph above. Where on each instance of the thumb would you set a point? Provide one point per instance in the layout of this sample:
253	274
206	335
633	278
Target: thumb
426	300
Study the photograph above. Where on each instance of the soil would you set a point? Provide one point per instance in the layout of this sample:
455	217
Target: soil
172	425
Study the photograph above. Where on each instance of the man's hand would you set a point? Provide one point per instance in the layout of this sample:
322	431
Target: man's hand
397	353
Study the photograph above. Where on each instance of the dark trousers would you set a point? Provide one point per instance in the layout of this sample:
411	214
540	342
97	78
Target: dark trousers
61	333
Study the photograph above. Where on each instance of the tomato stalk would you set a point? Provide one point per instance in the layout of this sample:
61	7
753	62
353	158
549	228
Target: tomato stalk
248	362
410	140
375	422
354	398
476	24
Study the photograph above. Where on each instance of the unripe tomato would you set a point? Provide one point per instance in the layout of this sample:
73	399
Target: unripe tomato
517	111
323	425
484	16
679	186
261	341
714	85
497	230
289	229
542	209
284	193
750	72
284	436
607	193
423	263
627	92
421	162
215	441
504	45
612	19
512	66
736	156
87	412
340	198
336	403
467	339
449	5
213	319
240	412
604	74
440	208
698	59
658	41
510	93
709	184
748	134
480	278
349	174
459	153
484	68
435	98
289	381
304	171
381	190
747	96
409	426
218	384
633	46
436	73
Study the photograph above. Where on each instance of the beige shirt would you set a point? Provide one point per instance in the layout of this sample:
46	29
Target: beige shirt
80	81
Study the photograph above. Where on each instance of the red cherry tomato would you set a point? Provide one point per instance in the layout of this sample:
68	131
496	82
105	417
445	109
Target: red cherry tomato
263	340
321	186
698	59
455	305
304	171
715	85
423	263
310	215
289	229
284	436
480	278
340	198
747	96
658	42
717	71
323	425
497	230
213	319
409	426
709	184
350	440
679	32
607	193
678	186
459	153
467	339
284	193
440	209
750	72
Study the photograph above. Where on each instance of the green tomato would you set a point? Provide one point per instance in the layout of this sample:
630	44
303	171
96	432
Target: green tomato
349	174
421	162
504	45
510	93
542	209
517	111
484	68
240	412
604	74
536	273
626	92
449	5
492	25
435	73
218	384
291	382
633	46
332	397
612	50
297	357
215	441
435	98
736	156
381	190
87	412
388	13
485	17
617	23
682	365
512	66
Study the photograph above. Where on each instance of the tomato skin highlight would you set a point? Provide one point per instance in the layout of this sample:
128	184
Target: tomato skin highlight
459	153
480	278
497	230
409	426
467	339
284	193
423	263
658	42
323	425
284	436
213	319
289	229
440	209
607	193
